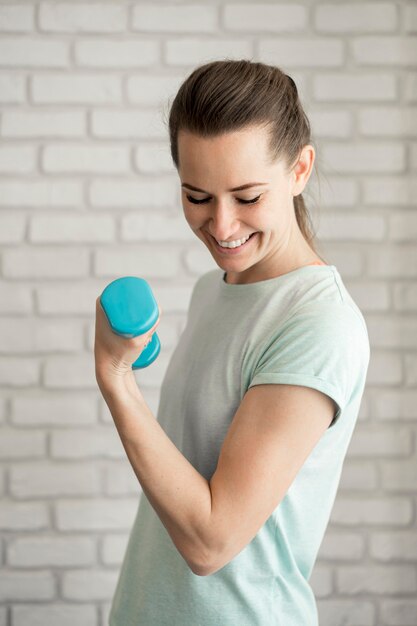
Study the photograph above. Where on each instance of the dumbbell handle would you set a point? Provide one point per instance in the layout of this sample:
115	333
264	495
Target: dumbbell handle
131	310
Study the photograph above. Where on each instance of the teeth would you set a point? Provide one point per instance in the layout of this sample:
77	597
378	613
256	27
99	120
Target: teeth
232	244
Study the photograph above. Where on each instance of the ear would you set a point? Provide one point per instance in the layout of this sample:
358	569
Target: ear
303	169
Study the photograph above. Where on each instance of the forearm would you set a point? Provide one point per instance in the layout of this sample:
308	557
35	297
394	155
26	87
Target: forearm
179	494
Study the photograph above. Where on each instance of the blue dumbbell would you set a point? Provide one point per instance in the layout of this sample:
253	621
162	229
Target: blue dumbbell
131	310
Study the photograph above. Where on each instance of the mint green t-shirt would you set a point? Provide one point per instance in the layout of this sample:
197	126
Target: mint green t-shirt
301	328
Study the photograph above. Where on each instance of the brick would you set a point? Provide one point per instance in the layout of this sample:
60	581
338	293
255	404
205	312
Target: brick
354	87
12	230
394	51
3	410
372	511
348	546
54	409
385	443
321	581
40	335
102	442
391	546
41	193
45	263
349	261
127	194
16	18
376	579
127	124
24	586
89	585
12	88
22	444
410	368
263	18
399	475
413	156
121	481
31	52
152	227
180	51
359	476
47	479
71	228
388	122
404	296
374	17
348	227
19	372
68	299
69	17
370	296
393	261
17	159
123	261
181	19
76	89
17	516
50	551
62	614
399	612
385	368
97	514
124	53
337	124
410	86
70	372
363	157
303	52
79	158
335	191
152	89
409	21
395	404
14	298
403	226
389	190
153	158
32	124
391	332
339	612
113	549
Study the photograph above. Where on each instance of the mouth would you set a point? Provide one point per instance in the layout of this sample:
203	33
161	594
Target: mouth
238	249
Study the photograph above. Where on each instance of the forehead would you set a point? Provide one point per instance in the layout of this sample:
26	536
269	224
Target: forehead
245	152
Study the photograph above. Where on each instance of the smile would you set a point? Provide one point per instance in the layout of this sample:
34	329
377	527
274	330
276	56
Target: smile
236	249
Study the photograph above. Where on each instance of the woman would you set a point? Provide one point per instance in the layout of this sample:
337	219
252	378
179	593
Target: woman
258	404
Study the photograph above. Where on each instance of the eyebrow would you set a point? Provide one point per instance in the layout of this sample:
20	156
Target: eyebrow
247	186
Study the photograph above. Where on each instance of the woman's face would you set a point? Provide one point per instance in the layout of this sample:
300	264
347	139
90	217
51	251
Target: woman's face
211	170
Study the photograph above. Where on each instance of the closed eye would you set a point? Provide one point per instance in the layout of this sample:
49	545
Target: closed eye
195	201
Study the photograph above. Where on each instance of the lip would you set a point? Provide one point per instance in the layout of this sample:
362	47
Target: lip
234	251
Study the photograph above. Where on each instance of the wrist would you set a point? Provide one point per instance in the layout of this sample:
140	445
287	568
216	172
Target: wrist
117	386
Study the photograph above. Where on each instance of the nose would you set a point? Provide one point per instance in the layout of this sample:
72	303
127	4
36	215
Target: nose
224	224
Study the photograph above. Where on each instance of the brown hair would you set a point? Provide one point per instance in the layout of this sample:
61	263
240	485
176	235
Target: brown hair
228	95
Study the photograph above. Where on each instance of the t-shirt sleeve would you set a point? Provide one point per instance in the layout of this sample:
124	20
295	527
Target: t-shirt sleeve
323	345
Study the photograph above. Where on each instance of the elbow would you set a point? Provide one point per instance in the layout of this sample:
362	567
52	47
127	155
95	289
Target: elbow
205	561
201	566
208	565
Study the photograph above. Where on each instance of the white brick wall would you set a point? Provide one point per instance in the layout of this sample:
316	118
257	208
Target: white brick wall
88	192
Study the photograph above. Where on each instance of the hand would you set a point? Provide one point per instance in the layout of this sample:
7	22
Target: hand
114	354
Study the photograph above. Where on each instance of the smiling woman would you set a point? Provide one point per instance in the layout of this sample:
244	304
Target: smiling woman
262	392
